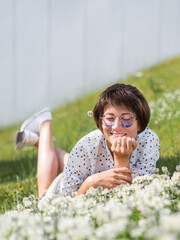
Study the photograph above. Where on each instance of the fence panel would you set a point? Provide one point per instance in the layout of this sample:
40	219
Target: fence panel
53	51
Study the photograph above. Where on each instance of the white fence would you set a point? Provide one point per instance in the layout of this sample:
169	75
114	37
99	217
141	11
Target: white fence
52	51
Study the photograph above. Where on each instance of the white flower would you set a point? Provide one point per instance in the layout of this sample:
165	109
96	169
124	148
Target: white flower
101	213
167	236
43	204
20	207
165	107
178	168
27	203
156	170
170	222
164	169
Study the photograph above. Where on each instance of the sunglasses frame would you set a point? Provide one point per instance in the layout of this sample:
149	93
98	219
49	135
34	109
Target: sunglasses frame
123	124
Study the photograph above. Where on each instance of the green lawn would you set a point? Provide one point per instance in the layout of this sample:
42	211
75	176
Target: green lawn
161	86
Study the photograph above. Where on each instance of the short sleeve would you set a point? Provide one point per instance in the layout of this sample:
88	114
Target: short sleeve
76	171
147	154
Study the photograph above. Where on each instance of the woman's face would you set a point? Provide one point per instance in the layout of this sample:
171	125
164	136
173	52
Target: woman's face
117	130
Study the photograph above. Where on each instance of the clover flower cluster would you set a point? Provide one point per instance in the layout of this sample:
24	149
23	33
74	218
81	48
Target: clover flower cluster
147	209
166	106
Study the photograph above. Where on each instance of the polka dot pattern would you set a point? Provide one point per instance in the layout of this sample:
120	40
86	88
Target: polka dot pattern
91	155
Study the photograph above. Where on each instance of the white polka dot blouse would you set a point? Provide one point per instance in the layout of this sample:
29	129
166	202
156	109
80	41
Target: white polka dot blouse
91	155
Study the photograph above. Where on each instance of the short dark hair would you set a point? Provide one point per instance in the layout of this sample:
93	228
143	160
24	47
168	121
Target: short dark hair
123	95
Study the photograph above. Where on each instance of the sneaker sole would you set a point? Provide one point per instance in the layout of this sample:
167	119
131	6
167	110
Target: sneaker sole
31	119
19	140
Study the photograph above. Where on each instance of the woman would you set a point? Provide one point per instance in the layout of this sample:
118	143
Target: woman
107	157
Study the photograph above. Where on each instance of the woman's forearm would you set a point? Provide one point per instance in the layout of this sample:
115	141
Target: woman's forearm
107	179
121	162
85	186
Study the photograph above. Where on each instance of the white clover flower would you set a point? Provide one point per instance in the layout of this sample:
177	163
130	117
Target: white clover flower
20	207
137	232
179	206
152	233
27	203
156	170
165	107
170	222
101	213
167	236
112	229
177	114
178	168
165	211
43	204
164	169
174	189
74	194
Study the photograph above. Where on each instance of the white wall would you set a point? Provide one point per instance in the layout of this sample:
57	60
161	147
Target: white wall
52	51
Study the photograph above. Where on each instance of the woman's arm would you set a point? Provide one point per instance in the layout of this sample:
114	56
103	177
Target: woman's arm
121	148
121	174
76	173
107	179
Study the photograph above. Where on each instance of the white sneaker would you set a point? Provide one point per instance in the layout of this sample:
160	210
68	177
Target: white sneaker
33	123
25	138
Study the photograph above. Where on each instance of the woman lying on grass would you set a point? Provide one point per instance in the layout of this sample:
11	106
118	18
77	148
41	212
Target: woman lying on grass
109	156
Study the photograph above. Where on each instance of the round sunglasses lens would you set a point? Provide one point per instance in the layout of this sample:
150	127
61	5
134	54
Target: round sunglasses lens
126	124
108	123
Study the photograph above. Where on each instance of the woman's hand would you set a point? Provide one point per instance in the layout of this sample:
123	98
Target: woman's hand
121	174
107	179
123	146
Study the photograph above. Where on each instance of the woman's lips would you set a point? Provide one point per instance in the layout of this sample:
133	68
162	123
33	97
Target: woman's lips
119	134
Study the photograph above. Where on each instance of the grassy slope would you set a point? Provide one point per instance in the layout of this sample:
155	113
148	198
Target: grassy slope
70	123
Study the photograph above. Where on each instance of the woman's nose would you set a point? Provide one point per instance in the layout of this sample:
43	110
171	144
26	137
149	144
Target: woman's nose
117	124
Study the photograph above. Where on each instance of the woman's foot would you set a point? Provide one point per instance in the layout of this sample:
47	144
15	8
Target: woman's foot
24	139
33	123
27	136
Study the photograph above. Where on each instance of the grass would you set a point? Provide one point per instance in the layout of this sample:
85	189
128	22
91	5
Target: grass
70	123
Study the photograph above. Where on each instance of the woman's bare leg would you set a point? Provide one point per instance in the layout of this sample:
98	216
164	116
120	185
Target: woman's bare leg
62	157
50	158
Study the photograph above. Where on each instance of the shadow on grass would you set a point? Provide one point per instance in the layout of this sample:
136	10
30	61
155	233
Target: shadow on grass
26	167
170	162
22	168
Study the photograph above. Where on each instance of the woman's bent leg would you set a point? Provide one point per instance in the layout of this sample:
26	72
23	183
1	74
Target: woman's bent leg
62	157
51	159
47	158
